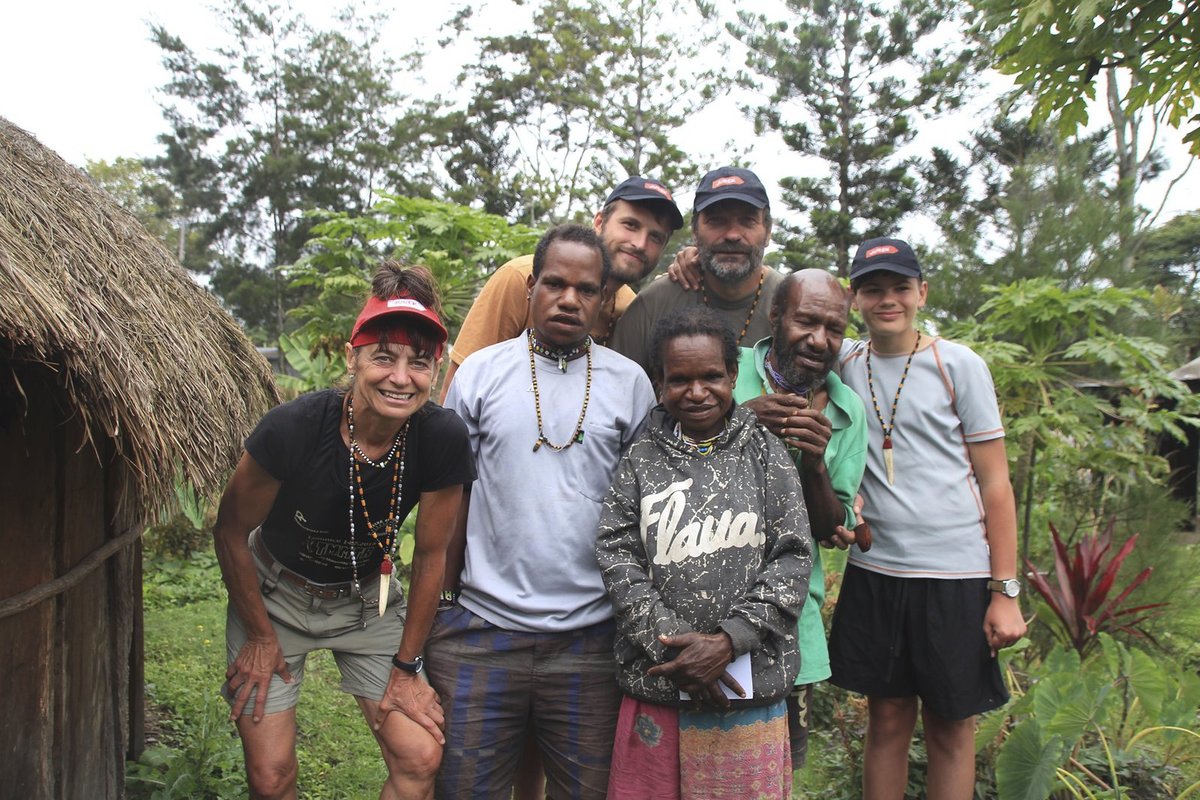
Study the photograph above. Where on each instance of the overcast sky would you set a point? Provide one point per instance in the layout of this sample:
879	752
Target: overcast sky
83	77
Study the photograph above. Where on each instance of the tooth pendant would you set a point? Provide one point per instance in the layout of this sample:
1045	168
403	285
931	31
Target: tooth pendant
562	364
888	464
385	580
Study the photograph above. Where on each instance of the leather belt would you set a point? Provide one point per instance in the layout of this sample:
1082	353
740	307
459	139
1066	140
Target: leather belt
322	591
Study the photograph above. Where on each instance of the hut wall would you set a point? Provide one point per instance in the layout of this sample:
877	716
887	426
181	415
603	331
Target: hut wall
65	662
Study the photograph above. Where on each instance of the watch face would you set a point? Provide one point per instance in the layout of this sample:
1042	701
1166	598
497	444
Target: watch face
1012	588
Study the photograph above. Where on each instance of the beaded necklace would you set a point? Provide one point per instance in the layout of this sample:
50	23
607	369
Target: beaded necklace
762	277
779	380
612	321
577	436
889	426
395	455
702	447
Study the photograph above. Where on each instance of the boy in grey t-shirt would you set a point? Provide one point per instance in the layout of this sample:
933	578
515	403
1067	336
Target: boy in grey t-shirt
921	616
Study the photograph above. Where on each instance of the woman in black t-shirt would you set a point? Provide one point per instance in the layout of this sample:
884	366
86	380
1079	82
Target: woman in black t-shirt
308	532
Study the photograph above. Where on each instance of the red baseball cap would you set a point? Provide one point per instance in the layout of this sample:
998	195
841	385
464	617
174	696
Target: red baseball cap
400	308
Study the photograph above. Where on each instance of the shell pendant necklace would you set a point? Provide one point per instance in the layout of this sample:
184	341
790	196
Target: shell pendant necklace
890	425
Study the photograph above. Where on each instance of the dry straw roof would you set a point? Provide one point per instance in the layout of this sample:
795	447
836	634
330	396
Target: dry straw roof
144	355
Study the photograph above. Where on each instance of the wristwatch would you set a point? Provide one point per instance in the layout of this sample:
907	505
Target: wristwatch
412	667
1010	587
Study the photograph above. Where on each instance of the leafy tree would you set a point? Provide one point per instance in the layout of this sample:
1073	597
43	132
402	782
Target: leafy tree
1170	256
848	81
282	120
149	198
591	93
1082	402
1021	205
460	245
1056	50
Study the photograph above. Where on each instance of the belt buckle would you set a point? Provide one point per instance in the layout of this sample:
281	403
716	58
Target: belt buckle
322	592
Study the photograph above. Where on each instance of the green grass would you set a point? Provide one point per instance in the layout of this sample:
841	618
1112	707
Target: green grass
185	666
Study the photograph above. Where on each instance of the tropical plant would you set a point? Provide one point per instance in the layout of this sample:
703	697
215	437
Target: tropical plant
1082	401
1117	724
313	367
1079	597
460	245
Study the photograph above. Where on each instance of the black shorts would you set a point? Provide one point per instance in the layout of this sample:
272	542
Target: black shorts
900	637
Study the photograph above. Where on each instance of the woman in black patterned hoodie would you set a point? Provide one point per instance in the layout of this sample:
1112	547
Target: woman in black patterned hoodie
705	552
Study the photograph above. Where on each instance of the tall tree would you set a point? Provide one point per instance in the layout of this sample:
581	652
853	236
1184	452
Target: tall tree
1057	49
1020	205
283	119
848	80
591	93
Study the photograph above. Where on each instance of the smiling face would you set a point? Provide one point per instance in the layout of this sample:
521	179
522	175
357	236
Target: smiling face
565	298
807	330
635	235
888	302
390	380
697	386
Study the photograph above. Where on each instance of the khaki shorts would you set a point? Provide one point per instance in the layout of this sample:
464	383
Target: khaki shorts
303	624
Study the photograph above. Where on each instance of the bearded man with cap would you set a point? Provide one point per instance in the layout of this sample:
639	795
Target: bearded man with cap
635	223
731	225
307	535
787	380
525	650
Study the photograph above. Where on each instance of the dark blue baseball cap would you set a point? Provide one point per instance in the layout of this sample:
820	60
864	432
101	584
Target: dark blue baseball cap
884	254
730	183
637	189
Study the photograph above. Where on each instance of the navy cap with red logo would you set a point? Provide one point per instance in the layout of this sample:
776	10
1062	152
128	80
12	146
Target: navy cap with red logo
730	183
637	189
884	254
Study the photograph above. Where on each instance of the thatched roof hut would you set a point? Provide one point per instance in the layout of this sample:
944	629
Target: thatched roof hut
117	372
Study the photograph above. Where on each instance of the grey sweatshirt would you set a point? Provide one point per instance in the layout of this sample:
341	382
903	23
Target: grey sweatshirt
706	543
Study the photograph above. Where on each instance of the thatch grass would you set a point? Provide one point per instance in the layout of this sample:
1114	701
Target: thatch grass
145	356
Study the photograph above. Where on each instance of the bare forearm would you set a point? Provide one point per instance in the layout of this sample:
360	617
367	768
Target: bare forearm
825	510
241	580
425	588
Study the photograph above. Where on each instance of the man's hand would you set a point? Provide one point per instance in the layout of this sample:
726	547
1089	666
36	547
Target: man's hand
414	698
685	269
699	666
789	417
860	534
256	662
1003	624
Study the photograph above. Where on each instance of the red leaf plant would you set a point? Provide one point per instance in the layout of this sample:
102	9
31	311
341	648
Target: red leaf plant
1079	597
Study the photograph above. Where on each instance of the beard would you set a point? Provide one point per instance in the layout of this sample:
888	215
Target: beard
729	271
800	378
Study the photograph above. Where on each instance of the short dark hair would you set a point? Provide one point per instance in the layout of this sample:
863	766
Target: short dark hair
692	321
766	218
571	232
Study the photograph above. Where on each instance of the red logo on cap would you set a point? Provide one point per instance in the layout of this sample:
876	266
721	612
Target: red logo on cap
664	191
881	250
728	180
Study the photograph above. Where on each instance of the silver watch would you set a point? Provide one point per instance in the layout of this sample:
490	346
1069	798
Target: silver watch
1010	587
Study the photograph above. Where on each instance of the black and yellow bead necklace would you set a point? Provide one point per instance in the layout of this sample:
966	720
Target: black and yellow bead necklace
890	425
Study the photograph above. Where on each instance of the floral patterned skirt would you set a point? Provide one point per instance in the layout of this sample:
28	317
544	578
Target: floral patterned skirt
678	754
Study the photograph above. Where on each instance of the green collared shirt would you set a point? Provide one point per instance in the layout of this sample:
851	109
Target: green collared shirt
845	460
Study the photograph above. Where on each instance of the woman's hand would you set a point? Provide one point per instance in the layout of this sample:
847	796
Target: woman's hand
699	666
409	694
256	662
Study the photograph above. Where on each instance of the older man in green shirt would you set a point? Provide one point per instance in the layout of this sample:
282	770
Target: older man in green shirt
787	380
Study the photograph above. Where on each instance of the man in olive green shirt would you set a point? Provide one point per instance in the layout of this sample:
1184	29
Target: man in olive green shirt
787	380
